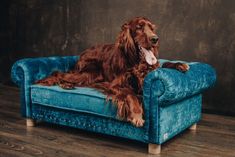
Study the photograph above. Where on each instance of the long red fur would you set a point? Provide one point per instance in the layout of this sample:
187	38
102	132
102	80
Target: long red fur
117	70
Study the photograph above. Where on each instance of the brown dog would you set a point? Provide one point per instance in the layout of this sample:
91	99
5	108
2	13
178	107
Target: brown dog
118	69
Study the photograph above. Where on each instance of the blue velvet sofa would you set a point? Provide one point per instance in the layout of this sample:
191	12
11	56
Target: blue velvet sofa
172	101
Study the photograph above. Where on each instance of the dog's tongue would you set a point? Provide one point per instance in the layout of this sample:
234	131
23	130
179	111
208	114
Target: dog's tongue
149	56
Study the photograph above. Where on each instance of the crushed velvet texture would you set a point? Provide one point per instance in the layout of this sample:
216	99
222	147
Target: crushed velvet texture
177	117
89	122
171	121
26	71
178	85
171	100
79	99
164	87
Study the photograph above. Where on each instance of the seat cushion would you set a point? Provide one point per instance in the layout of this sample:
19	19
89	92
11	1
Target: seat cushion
79	99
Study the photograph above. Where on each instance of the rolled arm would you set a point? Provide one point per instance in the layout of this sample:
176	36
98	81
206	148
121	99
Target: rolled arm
31	69
166	86
170	85
26	71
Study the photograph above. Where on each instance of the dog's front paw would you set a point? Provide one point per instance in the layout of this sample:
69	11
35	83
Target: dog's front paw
66	85
136	121
183	67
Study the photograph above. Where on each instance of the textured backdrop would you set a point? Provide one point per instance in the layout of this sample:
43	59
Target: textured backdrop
195	30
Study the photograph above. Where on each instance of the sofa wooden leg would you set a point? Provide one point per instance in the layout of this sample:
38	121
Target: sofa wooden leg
30	122
193	127
154	148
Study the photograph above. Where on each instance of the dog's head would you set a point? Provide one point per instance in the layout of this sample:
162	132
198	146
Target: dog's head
139	40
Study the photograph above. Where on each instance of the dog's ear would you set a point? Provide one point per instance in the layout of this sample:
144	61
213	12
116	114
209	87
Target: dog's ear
124	40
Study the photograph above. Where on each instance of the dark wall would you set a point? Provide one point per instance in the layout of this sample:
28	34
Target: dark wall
195	30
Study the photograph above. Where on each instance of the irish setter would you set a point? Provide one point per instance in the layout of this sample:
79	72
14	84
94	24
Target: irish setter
118	70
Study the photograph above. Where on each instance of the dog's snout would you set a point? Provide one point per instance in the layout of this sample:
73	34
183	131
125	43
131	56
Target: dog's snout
154	39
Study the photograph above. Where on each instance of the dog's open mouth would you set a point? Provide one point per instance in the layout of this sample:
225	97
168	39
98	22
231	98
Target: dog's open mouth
148	55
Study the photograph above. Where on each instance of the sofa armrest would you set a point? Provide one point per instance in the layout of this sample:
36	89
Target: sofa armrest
170	85
31	69
26	71
167	86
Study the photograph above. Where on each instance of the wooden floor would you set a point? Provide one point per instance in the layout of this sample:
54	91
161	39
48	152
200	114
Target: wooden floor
215	137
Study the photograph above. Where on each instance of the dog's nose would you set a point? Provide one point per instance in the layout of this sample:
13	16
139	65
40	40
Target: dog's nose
154	39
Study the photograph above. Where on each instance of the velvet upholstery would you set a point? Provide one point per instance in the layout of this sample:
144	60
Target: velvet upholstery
179	116
76	99
171	100
89	122
26	71
178	85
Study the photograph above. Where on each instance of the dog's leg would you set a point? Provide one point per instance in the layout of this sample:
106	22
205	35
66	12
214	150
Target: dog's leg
183	67
70	80
136	112
50	80
128	105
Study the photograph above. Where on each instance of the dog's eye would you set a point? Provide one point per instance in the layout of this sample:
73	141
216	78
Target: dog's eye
138	26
